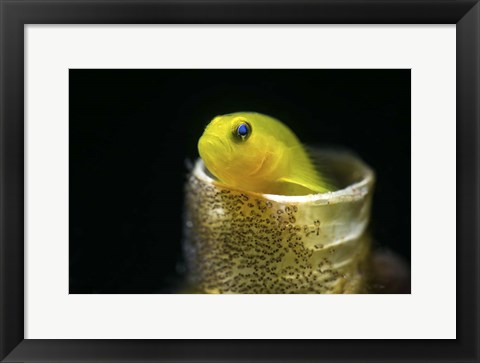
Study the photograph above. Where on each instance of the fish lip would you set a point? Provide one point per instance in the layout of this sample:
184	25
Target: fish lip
215	148
214	139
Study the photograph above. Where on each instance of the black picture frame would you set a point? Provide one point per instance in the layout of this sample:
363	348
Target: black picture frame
15	14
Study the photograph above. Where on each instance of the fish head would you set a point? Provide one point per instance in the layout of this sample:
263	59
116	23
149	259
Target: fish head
237	149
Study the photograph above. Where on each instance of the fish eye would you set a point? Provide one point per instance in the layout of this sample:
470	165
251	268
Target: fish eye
243	130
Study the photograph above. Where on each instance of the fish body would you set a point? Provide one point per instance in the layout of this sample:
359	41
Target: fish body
258	153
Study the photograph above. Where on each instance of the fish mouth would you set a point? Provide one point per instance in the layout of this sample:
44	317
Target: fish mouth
212	149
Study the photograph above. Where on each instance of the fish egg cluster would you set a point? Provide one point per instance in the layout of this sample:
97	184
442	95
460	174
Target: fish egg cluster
237	242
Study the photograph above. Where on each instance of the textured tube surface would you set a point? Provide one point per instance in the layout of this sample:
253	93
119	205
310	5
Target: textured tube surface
242	242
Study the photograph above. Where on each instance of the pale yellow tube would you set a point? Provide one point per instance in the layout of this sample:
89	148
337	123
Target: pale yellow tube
245	243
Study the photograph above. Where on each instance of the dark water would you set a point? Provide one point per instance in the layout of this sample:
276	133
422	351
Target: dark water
131	132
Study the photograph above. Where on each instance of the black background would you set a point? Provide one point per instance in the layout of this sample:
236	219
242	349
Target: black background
132	131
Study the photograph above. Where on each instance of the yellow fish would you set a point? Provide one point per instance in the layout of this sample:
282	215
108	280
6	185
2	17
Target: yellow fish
255	152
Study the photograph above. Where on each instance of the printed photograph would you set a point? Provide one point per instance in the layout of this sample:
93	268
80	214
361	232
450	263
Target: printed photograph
239	181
